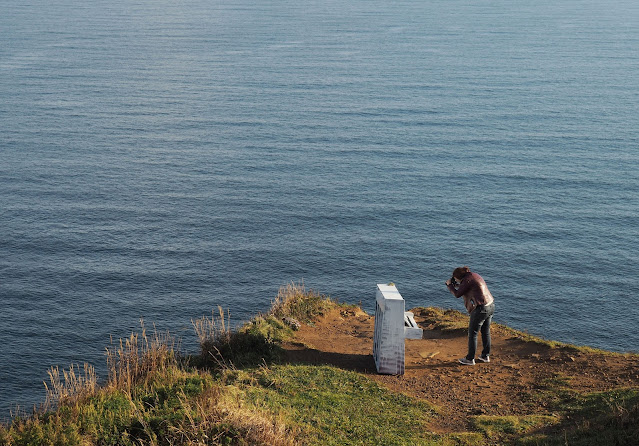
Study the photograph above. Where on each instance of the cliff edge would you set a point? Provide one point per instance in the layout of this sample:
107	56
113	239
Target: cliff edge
525	377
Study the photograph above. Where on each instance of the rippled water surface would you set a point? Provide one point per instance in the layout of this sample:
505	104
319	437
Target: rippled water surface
161	158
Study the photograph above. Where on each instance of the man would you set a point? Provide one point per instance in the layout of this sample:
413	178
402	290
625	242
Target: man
481	306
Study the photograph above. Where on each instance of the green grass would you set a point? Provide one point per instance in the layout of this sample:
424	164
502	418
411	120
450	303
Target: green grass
573	418
330	406
506	428
592	419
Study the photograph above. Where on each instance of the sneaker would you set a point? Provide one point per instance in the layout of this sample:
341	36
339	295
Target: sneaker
466	361
483	358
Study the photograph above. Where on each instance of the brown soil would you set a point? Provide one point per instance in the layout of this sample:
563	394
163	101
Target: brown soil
505	386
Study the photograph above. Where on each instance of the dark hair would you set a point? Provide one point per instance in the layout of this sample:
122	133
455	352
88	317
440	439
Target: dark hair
460	272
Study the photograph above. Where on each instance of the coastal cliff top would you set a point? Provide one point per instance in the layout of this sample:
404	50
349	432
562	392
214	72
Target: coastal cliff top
304	374
521	368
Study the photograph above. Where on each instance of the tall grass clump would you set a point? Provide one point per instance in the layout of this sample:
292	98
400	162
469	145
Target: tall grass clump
136	357
70	385
294	301
214	331
254	343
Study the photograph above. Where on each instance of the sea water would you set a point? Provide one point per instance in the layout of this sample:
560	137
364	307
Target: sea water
161	158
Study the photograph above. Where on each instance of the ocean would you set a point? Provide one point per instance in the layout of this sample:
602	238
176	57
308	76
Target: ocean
162	158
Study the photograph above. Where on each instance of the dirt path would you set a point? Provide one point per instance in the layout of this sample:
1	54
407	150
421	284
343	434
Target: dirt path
505	386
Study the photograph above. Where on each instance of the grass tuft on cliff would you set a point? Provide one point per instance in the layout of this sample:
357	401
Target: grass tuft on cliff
222	347
295	302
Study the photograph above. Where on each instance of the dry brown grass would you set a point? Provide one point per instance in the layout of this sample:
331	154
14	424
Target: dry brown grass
214	409
214	331
293	300
132	360
69	386
252	344
135	358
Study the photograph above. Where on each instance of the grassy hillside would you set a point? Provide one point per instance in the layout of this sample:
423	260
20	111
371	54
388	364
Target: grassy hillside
238	391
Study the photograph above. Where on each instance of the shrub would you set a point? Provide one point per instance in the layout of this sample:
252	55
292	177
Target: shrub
254	343
71	386
295	302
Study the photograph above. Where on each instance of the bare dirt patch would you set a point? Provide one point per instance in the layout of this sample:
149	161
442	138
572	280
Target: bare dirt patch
505	386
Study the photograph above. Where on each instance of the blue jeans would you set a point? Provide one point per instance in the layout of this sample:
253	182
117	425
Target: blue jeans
480	320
